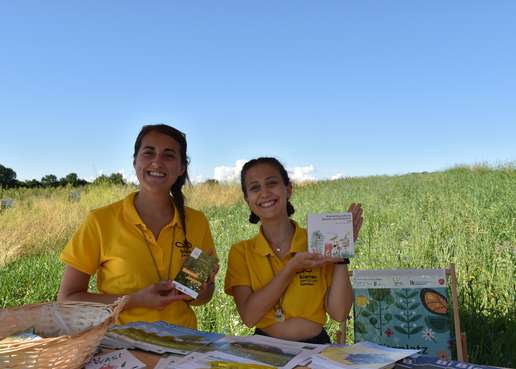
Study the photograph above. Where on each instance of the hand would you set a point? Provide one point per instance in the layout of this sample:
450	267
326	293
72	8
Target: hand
356	211
308	260
156	296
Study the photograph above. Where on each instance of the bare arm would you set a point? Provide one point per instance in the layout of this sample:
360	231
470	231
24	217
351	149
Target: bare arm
74	287
339	297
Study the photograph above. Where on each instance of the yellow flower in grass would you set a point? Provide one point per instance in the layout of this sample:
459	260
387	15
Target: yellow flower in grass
362	300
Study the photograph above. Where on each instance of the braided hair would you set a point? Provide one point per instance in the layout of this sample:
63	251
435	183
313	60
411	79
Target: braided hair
176	189
253	218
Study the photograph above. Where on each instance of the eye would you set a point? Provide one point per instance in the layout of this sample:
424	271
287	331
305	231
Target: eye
253	188
272	183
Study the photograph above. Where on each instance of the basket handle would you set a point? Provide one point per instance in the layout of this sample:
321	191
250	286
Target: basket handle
119	305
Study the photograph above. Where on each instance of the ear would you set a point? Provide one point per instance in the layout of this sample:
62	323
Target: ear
289	191
183	169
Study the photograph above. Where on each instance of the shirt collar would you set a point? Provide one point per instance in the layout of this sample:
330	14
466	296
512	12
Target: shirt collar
132	216
298	244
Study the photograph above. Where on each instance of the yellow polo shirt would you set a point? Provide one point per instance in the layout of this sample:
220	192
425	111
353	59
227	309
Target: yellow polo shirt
248	265
115	244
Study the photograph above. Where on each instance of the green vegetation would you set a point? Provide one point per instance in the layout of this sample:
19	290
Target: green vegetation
465	215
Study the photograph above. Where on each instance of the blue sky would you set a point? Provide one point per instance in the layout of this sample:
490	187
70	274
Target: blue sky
335	87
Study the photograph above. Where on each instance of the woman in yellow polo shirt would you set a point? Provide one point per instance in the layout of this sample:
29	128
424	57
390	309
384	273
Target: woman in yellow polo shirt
279	287
136	246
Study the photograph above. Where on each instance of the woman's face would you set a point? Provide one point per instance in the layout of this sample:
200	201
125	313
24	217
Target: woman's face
266	194
158	162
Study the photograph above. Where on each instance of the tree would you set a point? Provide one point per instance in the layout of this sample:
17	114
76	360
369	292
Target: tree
7	177
115	178
71	179
50	180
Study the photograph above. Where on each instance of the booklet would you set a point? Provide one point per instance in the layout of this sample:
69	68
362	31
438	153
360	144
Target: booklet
214	359
271	351
121	359
195	272
159	337
430	362
331	234
362	355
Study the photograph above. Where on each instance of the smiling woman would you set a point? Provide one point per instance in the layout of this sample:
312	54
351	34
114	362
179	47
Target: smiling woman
278	287
136	246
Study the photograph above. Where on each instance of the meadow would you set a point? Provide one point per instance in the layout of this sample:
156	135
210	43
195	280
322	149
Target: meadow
464	215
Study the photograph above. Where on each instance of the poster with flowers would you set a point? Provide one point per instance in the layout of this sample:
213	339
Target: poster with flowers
405	309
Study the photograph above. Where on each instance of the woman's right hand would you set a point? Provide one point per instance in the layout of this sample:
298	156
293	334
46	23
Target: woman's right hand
308	260
156	296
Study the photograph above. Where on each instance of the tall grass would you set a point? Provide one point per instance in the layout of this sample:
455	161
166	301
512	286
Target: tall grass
465	215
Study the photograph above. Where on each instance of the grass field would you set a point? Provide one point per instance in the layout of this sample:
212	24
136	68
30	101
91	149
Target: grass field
465	215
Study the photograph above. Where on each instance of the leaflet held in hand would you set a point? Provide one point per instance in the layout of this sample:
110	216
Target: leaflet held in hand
195	272
331	234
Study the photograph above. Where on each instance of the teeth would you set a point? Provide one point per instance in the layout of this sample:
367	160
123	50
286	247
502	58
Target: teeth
156	174
267	204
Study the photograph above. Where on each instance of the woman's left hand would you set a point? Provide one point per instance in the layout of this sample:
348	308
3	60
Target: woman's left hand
356	211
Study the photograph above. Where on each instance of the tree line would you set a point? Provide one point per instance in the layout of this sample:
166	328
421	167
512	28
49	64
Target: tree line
8	180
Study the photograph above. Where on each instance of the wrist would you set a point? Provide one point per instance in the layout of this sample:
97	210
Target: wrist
345	261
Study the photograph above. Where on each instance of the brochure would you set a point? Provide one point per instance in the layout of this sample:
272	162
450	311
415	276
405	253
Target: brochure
159	337
362	355
331	234
195	272
267	350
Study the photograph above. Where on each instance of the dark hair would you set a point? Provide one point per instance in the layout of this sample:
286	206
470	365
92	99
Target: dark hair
253	218
176	189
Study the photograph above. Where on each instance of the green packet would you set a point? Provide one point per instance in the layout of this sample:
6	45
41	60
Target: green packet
19	337
195	272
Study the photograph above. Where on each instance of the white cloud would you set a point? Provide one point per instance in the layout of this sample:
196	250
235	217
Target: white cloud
228	174
337	176
232	174
302	174
197	179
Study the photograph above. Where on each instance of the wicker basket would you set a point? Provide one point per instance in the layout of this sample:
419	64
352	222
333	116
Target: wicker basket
73	331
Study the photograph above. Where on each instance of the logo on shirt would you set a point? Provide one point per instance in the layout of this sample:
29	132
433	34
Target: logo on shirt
307	277
184	248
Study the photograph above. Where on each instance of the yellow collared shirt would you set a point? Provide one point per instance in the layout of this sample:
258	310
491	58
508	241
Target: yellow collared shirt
114	243
250	262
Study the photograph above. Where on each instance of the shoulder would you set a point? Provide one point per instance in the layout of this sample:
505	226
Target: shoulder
106	213
195	216
244	246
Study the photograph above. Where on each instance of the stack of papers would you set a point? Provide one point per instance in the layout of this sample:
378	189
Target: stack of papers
158	337
362	355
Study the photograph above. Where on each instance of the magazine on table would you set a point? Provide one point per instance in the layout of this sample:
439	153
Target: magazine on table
195	272
362	355
430	362
331	234
212	359
158	337
267	350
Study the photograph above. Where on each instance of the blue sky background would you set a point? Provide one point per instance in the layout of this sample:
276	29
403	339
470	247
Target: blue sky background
337	87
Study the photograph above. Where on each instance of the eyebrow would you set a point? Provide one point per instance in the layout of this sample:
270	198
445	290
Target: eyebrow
153	148
270	177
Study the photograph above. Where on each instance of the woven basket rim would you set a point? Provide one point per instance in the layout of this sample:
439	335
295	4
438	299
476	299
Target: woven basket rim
48	342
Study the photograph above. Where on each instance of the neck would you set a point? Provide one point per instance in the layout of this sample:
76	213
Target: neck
279	233
154	204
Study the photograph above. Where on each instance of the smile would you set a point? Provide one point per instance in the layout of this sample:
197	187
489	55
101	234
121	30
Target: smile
267	204
155	174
